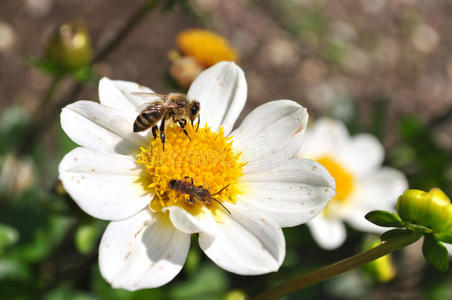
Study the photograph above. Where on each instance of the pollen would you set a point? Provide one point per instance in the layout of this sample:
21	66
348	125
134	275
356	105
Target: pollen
209	159
344	182
206	47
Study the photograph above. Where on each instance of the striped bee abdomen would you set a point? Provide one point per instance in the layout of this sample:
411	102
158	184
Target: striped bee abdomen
180	186
148	118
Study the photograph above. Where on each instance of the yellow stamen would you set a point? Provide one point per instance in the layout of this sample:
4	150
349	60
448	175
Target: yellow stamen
208	158
206	47
344	182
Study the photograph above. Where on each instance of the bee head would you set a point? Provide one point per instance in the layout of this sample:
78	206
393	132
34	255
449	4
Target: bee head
171	184
194	110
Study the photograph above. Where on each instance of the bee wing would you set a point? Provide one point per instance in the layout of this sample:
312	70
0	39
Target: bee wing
144	106
148	95
151	97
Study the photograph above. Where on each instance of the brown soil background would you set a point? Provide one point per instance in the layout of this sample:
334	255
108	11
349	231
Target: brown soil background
314	52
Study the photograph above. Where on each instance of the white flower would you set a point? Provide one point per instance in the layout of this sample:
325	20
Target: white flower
362	184
123	176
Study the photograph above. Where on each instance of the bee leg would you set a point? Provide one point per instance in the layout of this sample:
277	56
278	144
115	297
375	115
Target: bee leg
191	200
162	132
154	131
199	121
182	124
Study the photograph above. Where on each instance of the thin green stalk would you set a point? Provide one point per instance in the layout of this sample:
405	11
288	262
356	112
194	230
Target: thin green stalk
134	20
340	267
50	93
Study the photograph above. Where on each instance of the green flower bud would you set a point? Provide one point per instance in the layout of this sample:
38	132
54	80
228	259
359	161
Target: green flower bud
432	209
381	269
69	47
235	295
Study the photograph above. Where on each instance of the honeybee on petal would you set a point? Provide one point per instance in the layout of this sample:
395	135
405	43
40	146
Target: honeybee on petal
198	193
174	106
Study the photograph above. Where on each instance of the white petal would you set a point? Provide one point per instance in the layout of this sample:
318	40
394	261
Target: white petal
324	137
247	243
104	185
99	127
221	91
328	233
292	193
377	191
186	222
271	134
118	94
449	248
363	154
144	251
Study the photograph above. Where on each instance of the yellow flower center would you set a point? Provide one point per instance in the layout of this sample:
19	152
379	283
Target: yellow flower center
344	182
205	46
208	159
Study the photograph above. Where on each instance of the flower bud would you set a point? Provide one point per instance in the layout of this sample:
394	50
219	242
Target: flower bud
17	174
235	295
184	70
382	269
206	47
432	209
69	47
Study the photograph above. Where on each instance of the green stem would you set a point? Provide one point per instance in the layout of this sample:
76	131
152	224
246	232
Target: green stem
134	20
342	266
48	96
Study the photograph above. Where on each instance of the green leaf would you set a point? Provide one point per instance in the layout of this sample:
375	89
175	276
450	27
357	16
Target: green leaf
384	218
8	236
396	233
418	228
210	282
85	74
444	237
44	65
435	252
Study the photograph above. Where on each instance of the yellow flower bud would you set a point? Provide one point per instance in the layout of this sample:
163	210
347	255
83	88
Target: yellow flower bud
432	209
382	269
184	70
69	47
206	47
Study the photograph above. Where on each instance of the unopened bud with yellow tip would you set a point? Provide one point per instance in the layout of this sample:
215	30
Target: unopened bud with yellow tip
198	49
419	213
206	47
432	209
382	269
69	47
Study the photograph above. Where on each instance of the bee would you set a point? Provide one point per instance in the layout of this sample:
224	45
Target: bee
174	106
196	192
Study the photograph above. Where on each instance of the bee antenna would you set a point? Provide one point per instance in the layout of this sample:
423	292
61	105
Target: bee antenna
222	205
220	190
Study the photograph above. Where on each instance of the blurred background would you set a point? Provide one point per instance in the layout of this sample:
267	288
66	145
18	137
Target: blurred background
380	66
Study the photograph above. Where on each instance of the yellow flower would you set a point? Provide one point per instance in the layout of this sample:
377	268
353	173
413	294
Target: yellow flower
362	184
206	47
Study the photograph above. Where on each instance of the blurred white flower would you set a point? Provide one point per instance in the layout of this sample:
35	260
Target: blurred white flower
123	176
362	184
